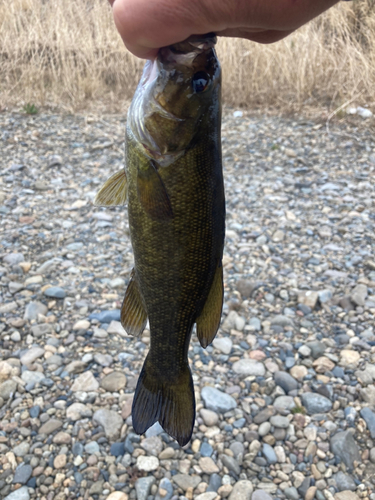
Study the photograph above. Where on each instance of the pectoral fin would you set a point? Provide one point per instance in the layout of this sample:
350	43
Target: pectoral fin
133	311
152	193
209	320
113	192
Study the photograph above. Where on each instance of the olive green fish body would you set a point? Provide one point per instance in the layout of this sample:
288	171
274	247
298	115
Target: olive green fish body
177	216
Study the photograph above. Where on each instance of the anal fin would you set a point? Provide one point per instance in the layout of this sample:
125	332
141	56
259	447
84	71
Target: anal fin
152	193
113	192
133	310
209	320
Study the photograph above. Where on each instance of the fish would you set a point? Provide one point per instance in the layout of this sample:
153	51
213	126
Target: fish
173	183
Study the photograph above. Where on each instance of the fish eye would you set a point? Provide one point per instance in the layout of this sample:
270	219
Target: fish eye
200	82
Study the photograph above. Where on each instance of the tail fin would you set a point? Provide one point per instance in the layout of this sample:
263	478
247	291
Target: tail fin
171	402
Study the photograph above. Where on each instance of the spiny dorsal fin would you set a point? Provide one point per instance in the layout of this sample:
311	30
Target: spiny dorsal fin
209	320
113	192
133	311
152	193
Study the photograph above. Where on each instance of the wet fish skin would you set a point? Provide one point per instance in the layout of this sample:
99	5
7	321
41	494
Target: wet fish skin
177	220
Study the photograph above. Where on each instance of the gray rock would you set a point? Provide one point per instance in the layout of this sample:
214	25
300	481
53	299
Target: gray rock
153	445
16	336
269	453
40	330
113	382
48	266
15	287
325	296
55	359
358	295
284	403
13	259
316	403
255	323
215	482
110	421
264	429
103	359
50	426
107	316
21	449
281	320
223	344
216	400
184	481
317	348
231	464
368	394
7	388
22	474
154	430
92	447
345	448
369	417
292	493
279	421
85	382
55	292
31	355
32	377
286	381
345	482
166	485
249	367
20	494
264	415
230	322
33	309
242	490
143	487
261	495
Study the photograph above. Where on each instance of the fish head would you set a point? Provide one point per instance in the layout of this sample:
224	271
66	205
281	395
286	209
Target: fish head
176	96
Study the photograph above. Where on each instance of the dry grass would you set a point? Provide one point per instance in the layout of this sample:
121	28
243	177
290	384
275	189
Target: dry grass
69	54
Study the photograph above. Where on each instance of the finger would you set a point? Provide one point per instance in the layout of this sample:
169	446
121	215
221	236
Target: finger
256	35
146	26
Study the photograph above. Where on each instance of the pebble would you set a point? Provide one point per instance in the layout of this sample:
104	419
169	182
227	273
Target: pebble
113	382
20	494
143	487
369	417
242	490
110	421
22	473
85	382
55	292
316	403
209	417
345	448
286	381
261	495
249	367
33	309
223	344
216	400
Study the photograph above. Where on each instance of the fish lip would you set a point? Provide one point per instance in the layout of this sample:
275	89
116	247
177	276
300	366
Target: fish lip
185	52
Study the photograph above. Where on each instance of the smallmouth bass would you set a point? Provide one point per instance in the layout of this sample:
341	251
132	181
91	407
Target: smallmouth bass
173	181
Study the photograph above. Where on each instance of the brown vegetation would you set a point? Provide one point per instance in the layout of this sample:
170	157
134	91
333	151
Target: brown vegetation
69	54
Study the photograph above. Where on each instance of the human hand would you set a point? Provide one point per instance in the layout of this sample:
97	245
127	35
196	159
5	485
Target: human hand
147	25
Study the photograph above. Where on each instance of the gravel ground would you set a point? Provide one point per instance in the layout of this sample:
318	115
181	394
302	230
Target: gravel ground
285	395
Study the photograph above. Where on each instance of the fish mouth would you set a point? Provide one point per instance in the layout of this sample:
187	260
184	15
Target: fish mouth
187	51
